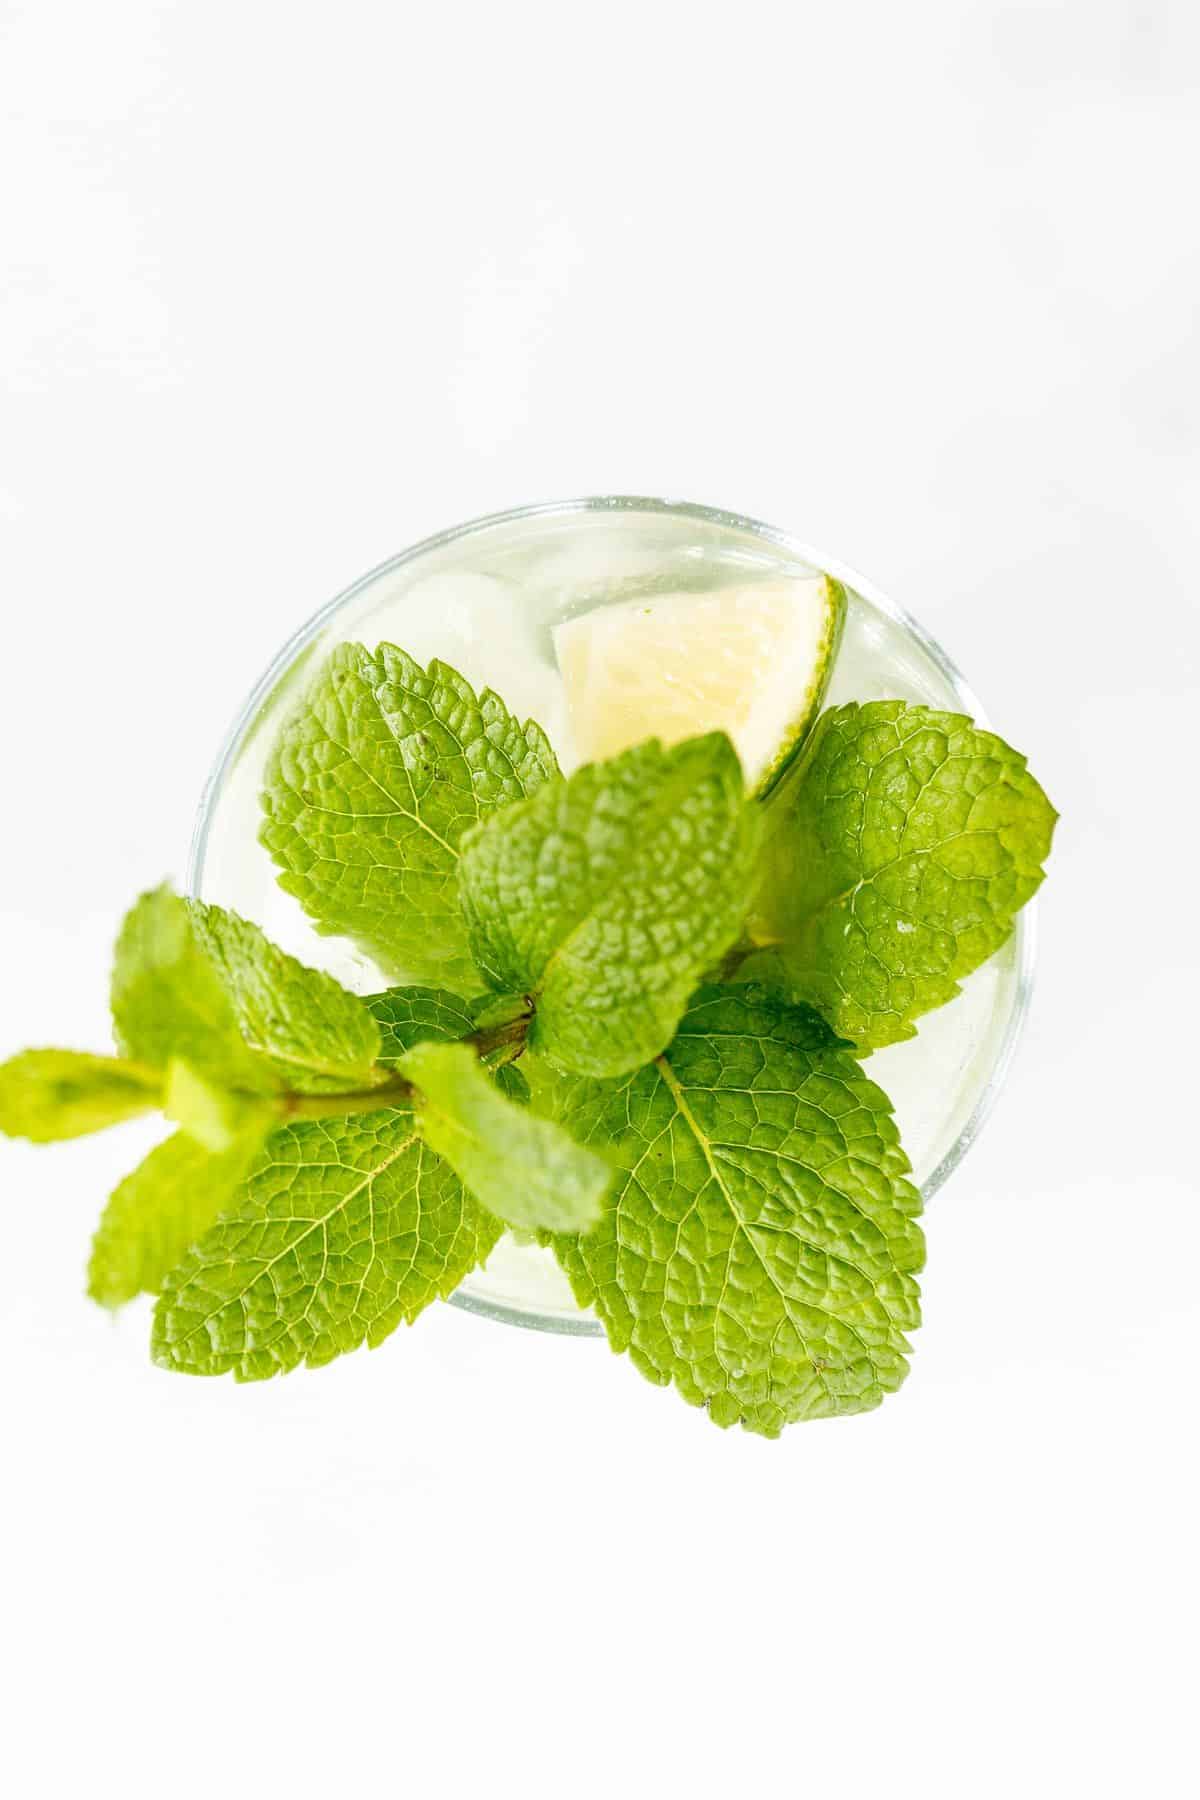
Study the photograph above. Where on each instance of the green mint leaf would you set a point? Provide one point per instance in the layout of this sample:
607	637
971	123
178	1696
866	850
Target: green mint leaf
895	864
417	1015
527	1171
414	1015
214	1116
157	1213
345	1228
311	1033
512	1083
608	895
761	1246
46	1095
372	784
168	1001
407	1016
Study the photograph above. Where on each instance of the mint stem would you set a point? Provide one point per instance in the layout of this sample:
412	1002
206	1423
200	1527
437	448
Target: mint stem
498	1045
731	962
396	1092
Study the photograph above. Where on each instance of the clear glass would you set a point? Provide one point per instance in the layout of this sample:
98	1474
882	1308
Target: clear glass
485	597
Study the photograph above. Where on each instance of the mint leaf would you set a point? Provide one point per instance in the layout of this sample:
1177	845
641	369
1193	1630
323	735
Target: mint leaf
895	864
314	1036
608	895
527	1171
372	784
167	1000
214	1116
412	1015
46	1095
761	1246
159	1211
345	1228
512	1083
417	1015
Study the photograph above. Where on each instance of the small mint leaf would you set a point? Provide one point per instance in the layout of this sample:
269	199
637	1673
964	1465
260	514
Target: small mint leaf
605	897
512	1083
527	1171
47	1095
167	999
372	783
896	860
313	1035
413	1015
160	1210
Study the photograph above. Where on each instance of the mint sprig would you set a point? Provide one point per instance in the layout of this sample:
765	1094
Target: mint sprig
709	1163
286	1085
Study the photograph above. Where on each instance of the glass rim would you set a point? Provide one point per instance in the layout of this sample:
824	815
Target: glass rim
1025	933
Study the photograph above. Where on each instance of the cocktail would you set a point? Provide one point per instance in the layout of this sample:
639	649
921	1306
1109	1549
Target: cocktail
606	915
489	598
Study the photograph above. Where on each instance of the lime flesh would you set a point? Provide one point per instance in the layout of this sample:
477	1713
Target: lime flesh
752	661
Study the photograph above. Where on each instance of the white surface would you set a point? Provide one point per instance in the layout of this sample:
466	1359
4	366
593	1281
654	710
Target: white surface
285	288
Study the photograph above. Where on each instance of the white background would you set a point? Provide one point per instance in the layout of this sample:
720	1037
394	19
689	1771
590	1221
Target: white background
286	287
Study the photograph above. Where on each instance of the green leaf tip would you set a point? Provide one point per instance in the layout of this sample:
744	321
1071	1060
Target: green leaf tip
49	1095
168	1000
526	1170
159	1211
312	1034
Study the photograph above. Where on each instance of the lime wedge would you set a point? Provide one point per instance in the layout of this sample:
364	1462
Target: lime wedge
751	661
